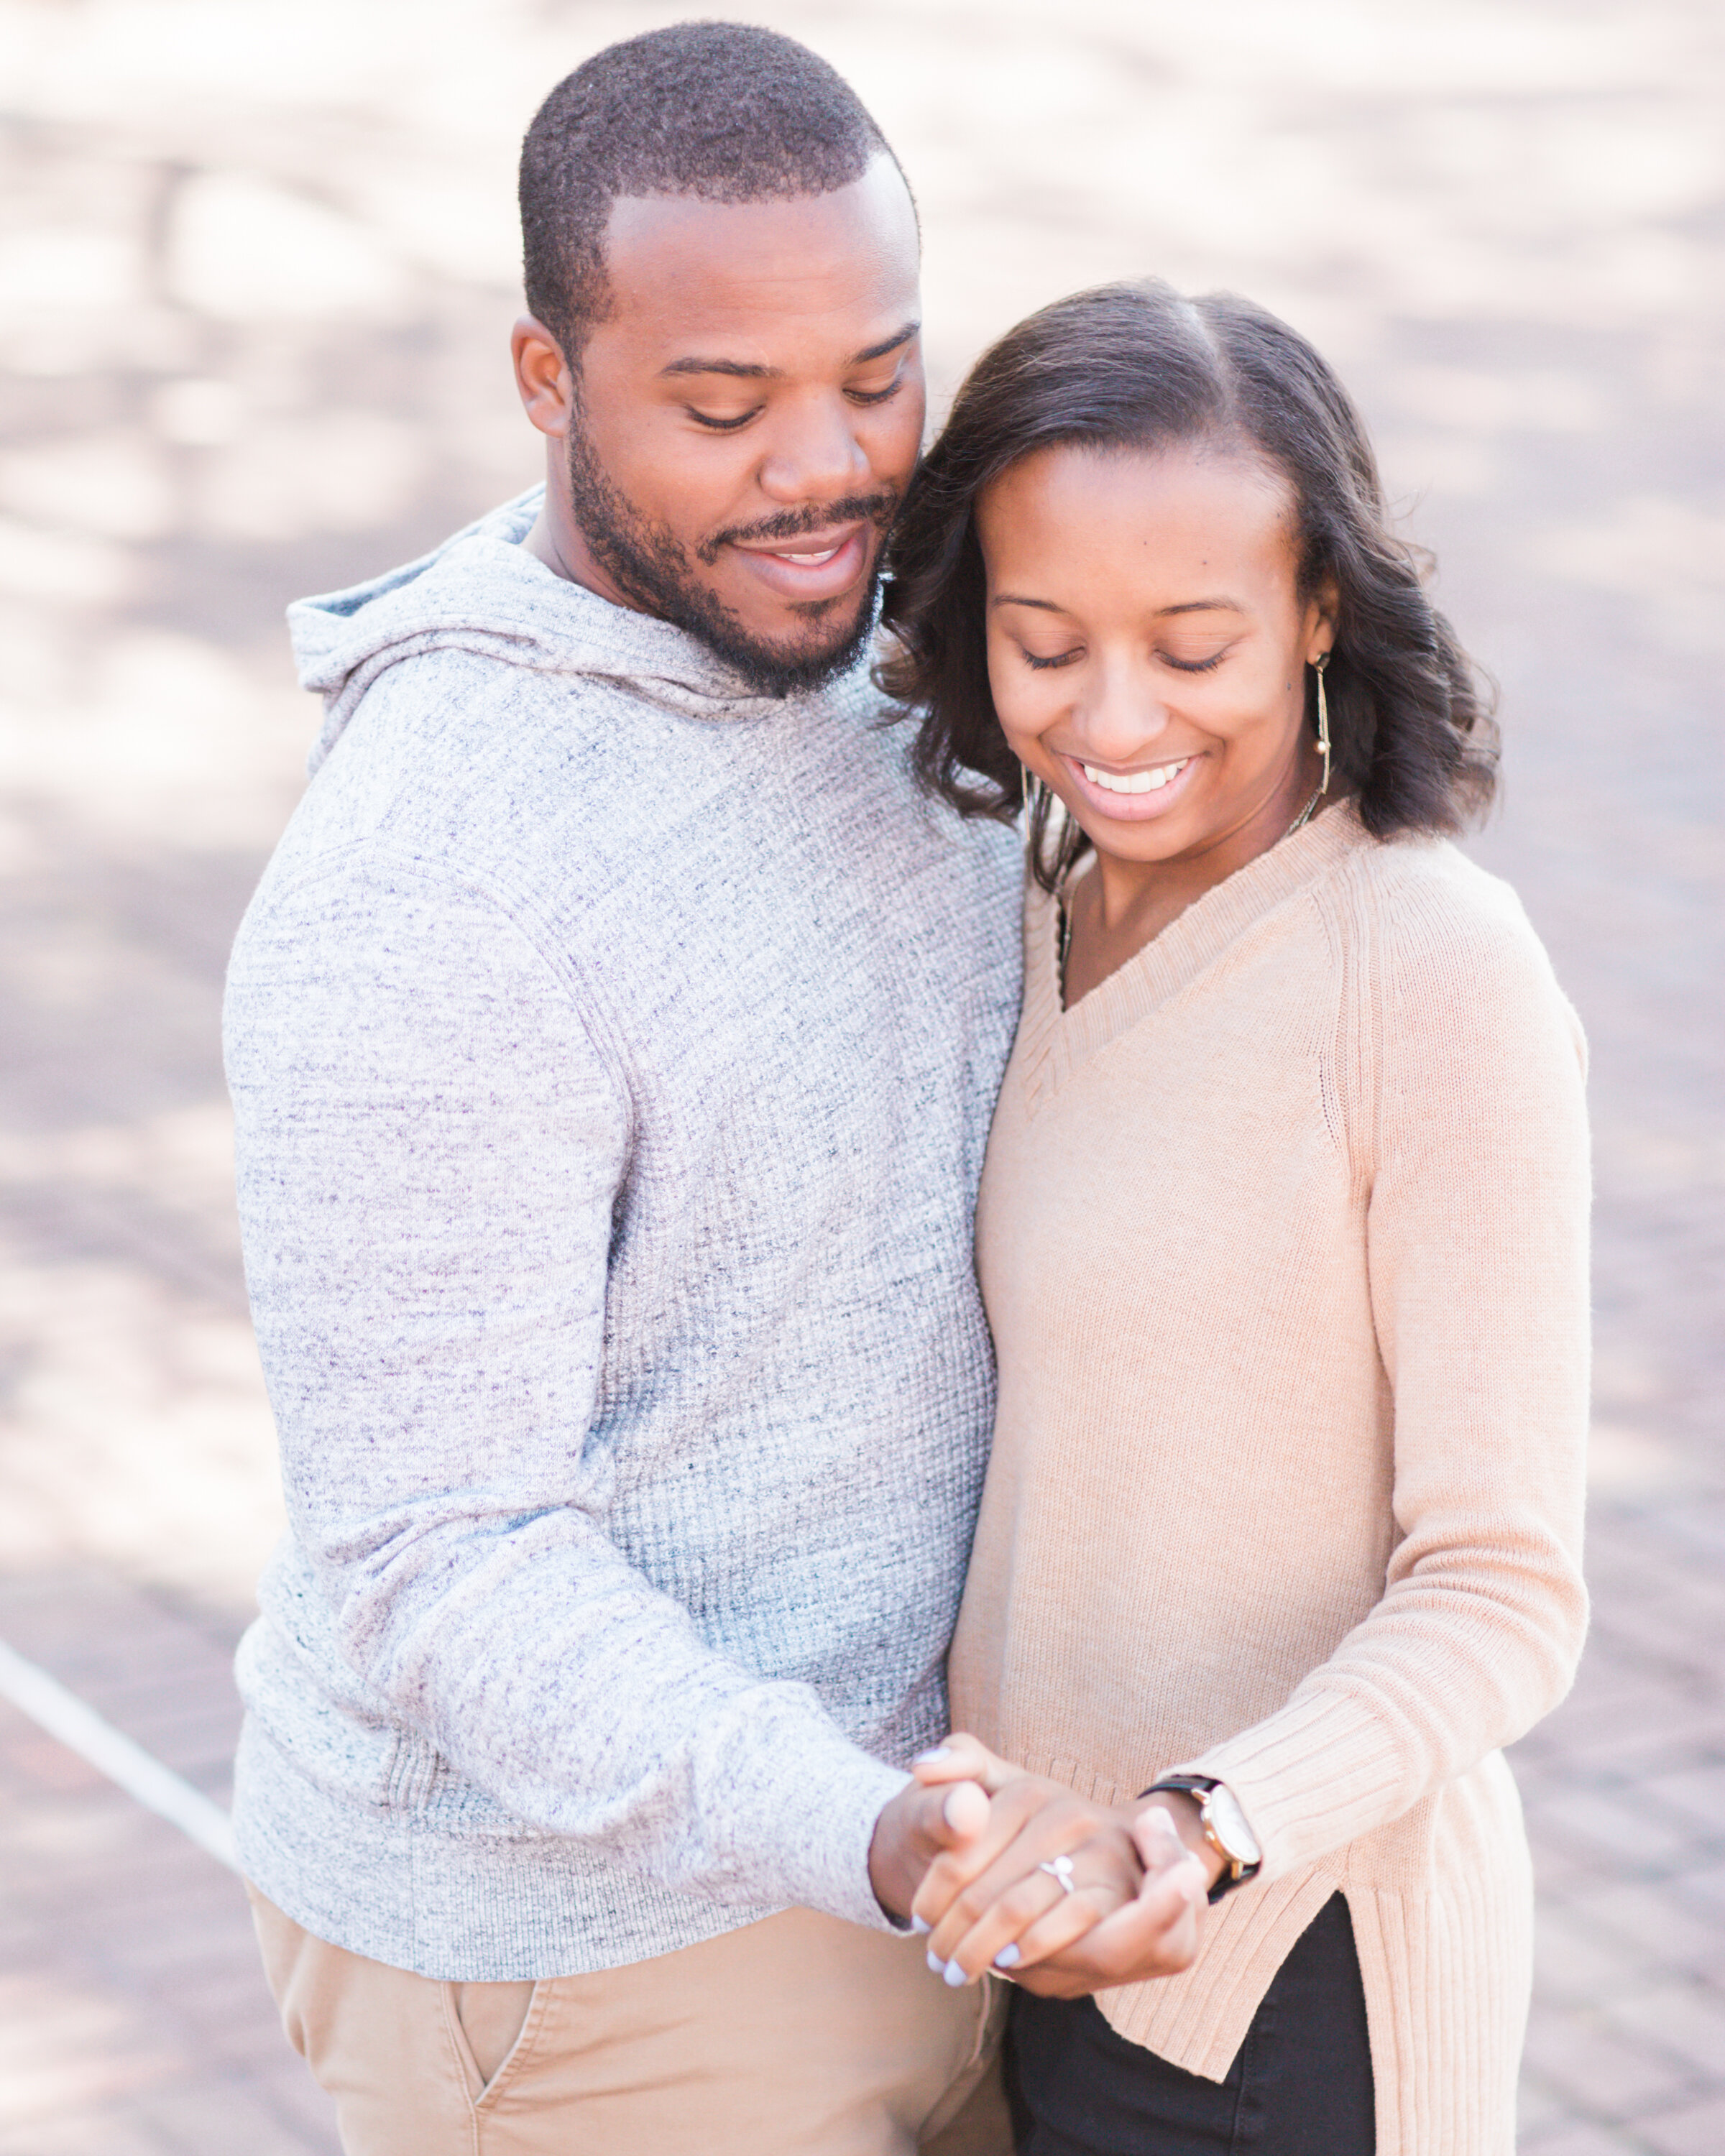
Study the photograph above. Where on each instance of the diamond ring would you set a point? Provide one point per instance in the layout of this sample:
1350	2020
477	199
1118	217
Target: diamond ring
1061	1868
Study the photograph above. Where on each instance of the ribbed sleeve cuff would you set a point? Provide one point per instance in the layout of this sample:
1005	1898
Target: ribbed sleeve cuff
795	1803
1319	1774
825	1830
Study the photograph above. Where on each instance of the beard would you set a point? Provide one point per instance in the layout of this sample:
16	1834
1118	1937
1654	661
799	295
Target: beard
650	565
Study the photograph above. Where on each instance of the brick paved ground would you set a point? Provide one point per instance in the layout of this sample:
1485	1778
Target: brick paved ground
256	267
133	2021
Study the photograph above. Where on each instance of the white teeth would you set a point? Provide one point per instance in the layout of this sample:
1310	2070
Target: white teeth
1135	782
811	561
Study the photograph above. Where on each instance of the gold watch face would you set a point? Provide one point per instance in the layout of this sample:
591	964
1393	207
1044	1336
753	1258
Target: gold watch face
1228	1823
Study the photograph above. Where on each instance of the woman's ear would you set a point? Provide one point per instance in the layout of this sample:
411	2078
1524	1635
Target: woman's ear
1321	621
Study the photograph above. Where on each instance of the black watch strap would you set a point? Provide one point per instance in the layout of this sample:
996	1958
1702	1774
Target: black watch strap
1199	1786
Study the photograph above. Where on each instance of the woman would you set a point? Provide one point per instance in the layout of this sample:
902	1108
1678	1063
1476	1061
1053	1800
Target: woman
1283	1240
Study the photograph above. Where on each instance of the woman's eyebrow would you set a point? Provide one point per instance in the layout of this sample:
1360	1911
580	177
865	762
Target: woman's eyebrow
1185	606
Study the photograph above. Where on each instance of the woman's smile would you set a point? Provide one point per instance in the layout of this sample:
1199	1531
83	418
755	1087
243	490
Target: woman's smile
1142	791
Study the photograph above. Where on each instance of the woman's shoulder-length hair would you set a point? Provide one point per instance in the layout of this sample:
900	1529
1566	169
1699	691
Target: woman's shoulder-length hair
1138	367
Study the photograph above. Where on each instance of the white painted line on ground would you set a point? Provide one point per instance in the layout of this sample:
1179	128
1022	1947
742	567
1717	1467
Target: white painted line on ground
82	1730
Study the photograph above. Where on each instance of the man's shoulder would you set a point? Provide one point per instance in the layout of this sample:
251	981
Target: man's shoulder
456	740
590	800
451	778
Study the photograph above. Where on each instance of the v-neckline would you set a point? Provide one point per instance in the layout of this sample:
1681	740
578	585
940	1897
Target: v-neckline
1057	1038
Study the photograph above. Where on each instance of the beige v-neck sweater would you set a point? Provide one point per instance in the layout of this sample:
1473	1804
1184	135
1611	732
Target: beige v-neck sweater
1283	1240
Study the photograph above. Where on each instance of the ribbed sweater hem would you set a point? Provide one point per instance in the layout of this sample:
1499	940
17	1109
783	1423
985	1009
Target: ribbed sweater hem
485	1907
1199	2021
1445	1964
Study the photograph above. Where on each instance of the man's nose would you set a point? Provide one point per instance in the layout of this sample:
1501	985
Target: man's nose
815	453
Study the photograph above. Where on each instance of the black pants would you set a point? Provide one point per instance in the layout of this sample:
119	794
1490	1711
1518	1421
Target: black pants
1300	2086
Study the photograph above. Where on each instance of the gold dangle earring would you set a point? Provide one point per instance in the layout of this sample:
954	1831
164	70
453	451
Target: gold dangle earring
1319	664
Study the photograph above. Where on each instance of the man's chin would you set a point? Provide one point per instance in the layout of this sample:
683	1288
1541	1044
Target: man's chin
817	644
648	565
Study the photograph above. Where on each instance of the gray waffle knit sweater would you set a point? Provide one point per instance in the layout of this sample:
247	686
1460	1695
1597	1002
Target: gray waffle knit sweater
613	1053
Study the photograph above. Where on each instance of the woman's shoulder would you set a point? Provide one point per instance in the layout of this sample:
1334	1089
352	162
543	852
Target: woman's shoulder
1423	899
1447	943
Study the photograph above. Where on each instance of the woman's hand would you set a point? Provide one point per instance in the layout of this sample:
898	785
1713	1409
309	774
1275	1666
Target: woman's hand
1137	1888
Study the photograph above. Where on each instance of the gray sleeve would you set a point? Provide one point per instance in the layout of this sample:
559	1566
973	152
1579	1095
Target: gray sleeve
428	1149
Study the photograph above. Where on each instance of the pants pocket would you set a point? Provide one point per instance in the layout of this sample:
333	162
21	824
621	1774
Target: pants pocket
486	2022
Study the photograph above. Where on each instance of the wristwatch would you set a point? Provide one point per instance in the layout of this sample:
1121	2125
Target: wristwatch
1224	1828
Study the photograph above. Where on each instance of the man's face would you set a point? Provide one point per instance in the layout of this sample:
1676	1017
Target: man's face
747	416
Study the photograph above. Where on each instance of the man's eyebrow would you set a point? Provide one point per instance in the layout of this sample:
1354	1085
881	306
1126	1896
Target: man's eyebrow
887	344
742	370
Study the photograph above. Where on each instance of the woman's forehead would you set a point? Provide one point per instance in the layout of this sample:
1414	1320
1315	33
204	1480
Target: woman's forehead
1183	512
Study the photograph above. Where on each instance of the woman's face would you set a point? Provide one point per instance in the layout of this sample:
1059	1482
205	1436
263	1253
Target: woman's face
1147	643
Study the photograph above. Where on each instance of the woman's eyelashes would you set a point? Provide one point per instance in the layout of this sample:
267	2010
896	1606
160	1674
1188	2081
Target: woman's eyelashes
1040	660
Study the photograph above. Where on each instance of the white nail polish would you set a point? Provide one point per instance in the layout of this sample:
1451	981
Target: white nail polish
955	1974
936	1964
1007	1957
929	1759
919	1925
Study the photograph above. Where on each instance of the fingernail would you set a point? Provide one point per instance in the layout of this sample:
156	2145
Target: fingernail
919	1925
929	1758
1007	1957
936	1964
1158	1822
955	1974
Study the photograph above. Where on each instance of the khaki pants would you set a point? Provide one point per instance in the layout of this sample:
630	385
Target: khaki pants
799	2035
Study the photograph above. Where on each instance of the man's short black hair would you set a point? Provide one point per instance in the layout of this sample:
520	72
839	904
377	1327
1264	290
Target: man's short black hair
722	111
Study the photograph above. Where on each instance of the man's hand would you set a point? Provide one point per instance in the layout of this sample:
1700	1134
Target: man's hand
998	1899
922	1822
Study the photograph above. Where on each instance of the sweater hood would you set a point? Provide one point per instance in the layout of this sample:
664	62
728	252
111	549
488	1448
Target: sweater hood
482	592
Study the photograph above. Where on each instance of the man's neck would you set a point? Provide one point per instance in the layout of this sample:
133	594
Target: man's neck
558	541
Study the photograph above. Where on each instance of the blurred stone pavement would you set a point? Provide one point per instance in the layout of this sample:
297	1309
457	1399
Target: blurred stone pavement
257	271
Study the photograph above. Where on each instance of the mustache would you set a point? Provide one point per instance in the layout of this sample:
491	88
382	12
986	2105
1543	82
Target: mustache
876	508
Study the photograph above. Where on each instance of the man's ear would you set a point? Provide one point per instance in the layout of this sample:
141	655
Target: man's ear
543	376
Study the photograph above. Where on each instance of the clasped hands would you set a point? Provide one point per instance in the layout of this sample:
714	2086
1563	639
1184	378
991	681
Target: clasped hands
971	1852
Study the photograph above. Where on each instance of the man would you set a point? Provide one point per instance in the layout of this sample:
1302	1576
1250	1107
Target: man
612	1041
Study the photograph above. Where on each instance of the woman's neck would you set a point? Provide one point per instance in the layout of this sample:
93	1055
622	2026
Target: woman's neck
1122	904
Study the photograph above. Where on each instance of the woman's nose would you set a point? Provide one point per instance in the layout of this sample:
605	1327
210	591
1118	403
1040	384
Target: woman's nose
1121	717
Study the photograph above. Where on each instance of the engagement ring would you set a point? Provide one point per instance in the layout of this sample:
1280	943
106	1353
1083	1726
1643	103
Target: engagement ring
1061	1868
